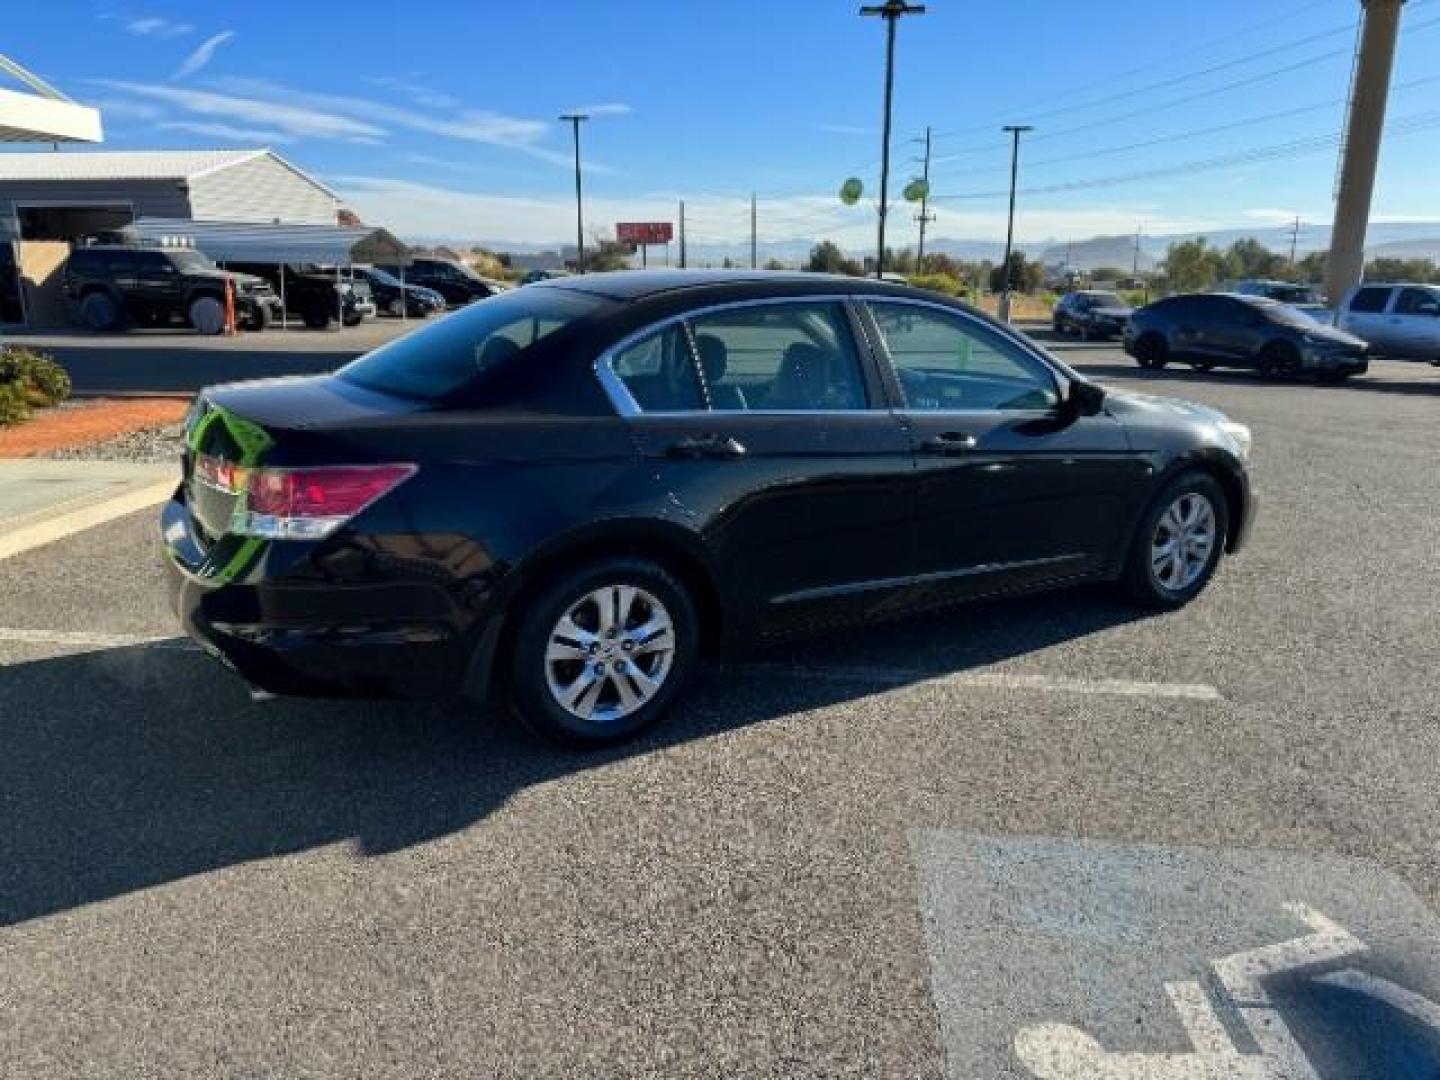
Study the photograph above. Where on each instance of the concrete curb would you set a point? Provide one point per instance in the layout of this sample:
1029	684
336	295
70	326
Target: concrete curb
50	529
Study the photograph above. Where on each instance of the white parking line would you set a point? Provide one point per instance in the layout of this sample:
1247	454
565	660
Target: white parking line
15	540
84	639
990	680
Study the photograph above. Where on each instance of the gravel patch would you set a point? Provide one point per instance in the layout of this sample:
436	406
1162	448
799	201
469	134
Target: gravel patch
152	445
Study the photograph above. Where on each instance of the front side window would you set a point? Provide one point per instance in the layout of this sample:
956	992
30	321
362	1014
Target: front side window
784	356
1370	300
1418	302
944	361
659	372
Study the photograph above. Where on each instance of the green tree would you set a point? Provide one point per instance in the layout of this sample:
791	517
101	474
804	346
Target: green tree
774	264
1026	275
1249	258
603	255
1193	266
827	258
1389	269
1311	267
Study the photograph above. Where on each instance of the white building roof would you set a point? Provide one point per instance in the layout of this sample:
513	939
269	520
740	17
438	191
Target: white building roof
246	241
44	115
133	164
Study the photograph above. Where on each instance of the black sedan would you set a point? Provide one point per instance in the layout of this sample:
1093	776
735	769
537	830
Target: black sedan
1091	313
397	298
1208	330
569	492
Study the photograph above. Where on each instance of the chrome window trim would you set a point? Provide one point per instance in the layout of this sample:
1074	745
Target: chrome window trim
626	406
1024	344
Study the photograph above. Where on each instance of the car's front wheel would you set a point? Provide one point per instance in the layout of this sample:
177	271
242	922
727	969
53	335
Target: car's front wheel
602	653
207	315
1179	542
1152	351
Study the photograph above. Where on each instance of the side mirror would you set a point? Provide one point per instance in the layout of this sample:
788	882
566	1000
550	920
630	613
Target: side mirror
1084	398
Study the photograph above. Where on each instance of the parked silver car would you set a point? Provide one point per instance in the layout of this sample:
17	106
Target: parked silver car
1399	320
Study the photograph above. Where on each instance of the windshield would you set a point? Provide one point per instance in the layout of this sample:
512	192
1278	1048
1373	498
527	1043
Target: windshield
1291	294
382	276
192	262
1284	314
1104	299
446	356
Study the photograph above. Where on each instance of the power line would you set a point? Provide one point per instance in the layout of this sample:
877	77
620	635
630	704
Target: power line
1294	148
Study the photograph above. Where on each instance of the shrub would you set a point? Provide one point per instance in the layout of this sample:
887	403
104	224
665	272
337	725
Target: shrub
941	283
35	377
14	406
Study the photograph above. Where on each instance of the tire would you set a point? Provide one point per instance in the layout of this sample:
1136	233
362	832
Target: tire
1334	378
1152	351
206	315
538	678
1155	581
396	307
353	320
100	311
1279	360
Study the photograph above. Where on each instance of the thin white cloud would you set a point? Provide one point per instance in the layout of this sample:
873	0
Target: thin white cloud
226	132
157	27
612	108
124	109
293	120
203	54
470	125
846	129
417	91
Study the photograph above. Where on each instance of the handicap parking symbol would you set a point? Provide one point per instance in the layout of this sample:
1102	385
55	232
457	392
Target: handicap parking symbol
1071	960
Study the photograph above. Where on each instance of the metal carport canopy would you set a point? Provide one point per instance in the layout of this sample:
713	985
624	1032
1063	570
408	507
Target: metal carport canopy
264	242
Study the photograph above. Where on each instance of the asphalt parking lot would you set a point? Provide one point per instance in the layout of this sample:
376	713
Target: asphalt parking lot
1039	838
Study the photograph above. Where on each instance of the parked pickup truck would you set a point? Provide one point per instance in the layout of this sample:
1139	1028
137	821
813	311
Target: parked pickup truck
1399	321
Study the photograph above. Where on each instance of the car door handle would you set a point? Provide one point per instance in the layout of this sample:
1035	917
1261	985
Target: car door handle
707	446
949	442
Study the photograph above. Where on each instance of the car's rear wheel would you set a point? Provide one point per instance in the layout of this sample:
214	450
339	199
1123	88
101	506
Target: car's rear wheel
257	319
207	315
316	320
1152	351
100	311
603	652
396	307
1279	360
1179	542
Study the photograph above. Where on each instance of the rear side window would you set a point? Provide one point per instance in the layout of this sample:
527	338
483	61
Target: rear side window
784	356
659	372
447	356
1369	300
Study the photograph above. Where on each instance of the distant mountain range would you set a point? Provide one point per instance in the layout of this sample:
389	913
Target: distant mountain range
1401	240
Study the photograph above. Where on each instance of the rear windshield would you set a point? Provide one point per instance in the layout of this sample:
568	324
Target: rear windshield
448	355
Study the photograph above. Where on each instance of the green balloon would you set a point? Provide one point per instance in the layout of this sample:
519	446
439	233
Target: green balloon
851	190
917	190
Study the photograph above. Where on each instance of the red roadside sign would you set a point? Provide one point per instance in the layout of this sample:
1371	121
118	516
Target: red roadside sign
644	232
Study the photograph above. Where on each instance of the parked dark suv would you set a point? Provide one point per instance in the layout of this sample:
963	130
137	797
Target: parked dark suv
1208	330
455	281
1090	313
394	298
113	284
316	295
566	492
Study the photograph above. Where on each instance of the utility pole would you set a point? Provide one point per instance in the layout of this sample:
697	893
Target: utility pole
891	11
1294	240
1015	130
924	216
1135	262
682	234
574	120
1361	153
754	262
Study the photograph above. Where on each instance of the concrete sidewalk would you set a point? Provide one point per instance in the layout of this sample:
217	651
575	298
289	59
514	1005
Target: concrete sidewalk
43	500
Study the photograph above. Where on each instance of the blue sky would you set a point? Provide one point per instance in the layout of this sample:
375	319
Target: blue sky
439	118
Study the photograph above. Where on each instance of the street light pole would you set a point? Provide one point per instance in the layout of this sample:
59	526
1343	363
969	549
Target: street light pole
1015	130
890	11
574	120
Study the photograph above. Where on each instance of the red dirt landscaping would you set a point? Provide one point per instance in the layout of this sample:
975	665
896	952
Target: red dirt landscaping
86	422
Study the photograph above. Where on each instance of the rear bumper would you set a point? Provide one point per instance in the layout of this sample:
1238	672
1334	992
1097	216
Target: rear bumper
297	634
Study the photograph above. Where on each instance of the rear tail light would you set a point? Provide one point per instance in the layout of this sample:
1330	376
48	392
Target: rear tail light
299	504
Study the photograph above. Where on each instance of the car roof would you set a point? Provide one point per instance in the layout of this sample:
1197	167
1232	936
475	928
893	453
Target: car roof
640	284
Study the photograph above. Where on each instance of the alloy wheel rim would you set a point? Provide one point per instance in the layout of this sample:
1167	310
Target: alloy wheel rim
1183	542
610	653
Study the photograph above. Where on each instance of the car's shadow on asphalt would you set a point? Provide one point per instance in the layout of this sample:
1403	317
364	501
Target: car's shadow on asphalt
132	767
1173	373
